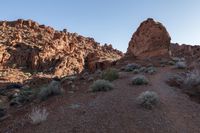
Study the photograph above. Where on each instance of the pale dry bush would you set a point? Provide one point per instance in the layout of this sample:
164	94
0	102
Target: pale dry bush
148	99
139	80
54	88
38	115
192	79
101	85
180	65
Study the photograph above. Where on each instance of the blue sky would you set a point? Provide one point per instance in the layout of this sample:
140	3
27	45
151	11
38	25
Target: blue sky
110	21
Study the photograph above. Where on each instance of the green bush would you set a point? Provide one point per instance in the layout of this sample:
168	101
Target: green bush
110	74
139	80
53	88
101	85
148	99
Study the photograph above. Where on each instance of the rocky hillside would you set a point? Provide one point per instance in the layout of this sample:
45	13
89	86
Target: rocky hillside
187	51
151	86
29	46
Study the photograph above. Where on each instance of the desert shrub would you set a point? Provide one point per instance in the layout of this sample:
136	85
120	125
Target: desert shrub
136	71
176	59
163	62
192	79
38	115
53	88
142	69
150	70
24	96
75	106
139	80
188	82
180	65
148	99
101	85
182	59
171	63
175	80
71	78
131	67
110	74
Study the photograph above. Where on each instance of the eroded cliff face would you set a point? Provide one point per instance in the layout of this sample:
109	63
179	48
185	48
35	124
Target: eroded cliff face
27	45
150	40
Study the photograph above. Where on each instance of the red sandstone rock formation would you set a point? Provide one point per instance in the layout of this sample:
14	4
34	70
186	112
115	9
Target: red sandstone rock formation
151	39
26	44
189	52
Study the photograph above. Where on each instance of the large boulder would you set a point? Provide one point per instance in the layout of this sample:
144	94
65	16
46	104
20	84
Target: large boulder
151	39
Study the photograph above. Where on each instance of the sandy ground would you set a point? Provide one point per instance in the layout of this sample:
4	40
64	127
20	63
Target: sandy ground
115	111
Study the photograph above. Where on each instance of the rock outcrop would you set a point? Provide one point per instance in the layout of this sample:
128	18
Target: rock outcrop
189	52
27	45
151	39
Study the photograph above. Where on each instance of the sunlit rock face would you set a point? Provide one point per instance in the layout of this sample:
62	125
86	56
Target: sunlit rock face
151	39
29	45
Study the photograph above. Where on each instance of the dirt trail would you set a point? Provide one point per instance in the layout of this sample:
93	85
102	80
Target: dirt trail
183	113
117	111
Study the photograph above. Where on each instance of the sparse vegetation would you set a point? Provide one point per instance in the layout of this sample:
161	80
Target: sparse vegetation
171	63
24	96
175	80
150	70
192	79
110	74
53	88
38	115
188	82
176	59
148	99
74	106
131	67
70	78
101	85
180	65
142	69
139	80
136	71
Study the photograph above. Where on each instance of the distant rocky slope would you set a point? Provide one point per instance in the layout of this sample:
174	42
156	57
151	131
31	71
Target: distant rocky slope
150	40
27	45
189	52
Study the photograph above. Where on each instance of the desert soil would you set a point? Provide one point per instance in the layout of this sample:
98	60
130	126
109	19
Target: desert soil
115	111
